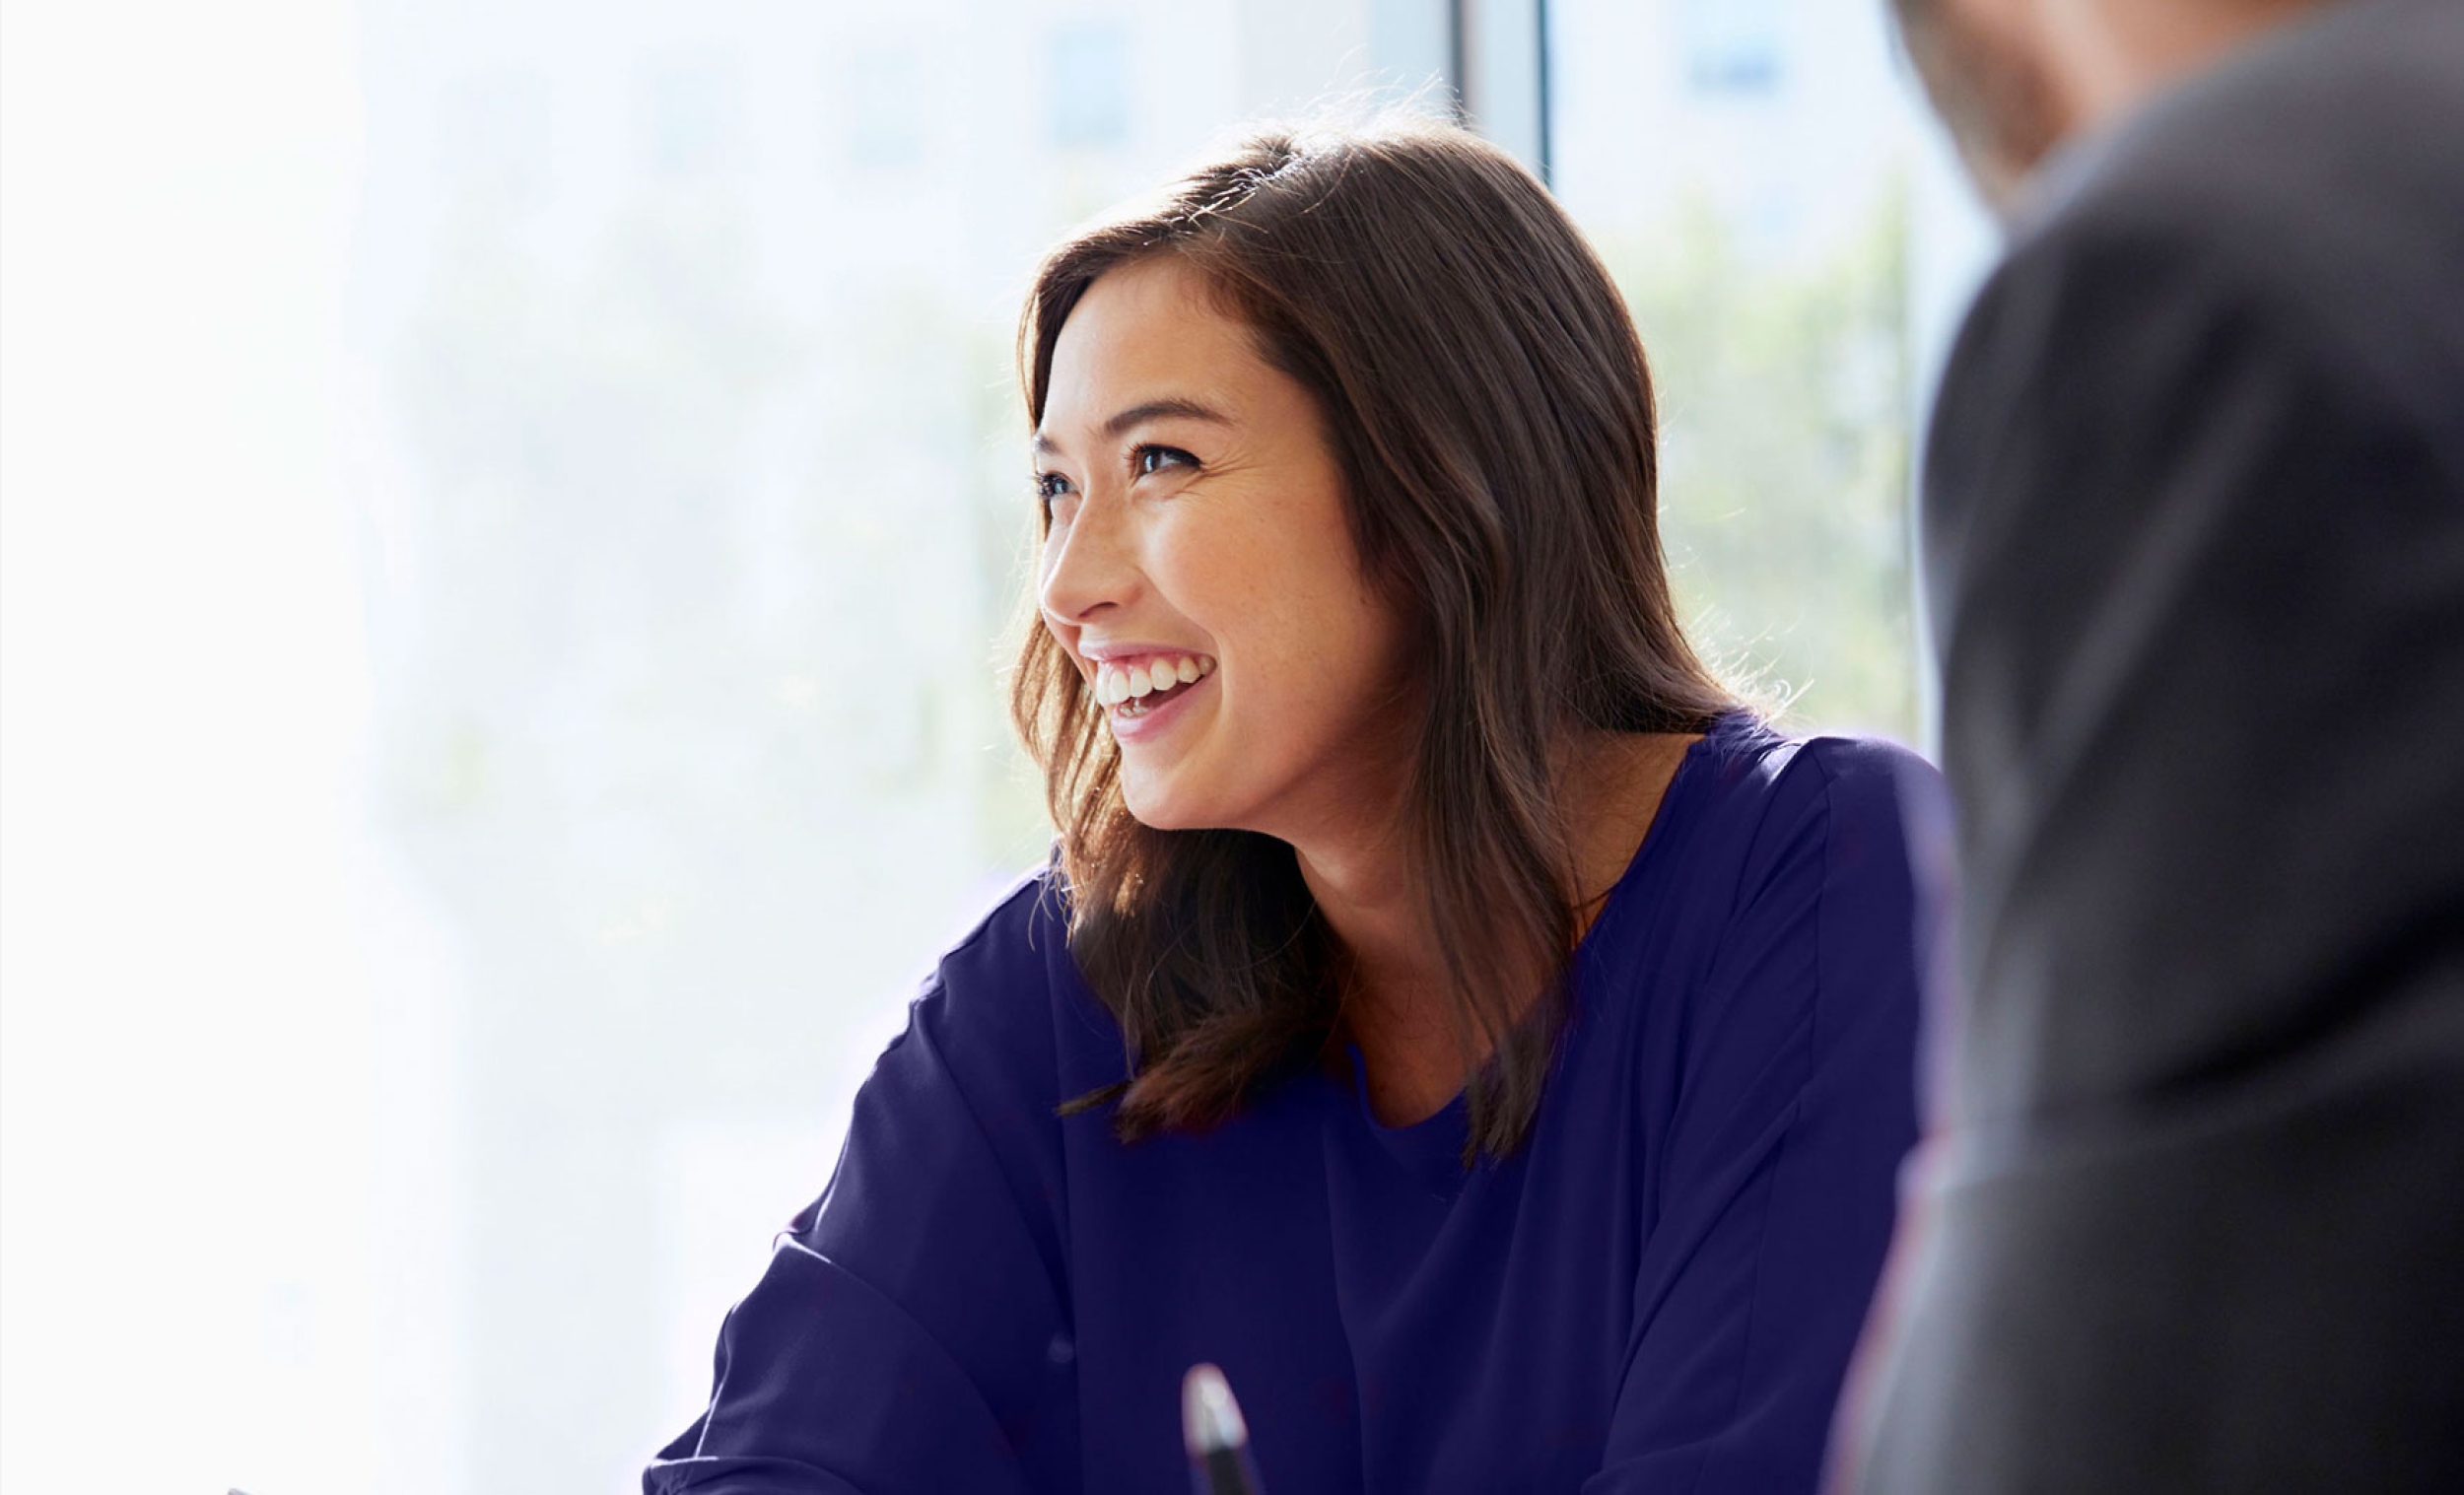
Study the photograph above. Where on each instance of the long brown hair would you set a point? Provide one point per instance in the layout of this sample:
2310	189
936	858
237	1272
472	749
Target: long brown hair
1489	405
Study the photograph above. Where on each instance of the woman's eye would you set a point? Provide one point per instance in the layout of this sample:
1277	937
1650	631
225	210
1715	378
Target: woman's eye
1049	487
1152	460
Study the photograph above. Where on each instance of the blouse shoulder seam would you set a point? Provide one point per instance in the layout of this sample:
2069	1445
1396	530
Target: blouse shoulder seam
1035	880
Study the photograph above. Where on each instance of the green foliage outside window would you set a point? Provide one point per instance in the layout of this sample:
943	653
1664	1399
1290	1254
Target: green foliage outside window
1785	417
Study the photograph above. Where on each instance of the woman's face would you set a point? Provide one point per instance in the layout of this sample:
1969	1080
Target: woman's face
1198	516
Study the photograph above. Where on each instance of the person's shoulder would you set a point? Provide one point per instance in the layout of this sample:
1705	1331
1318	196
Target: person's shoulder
1886	806
1863	774
2281	230
1787	801
1817	865
1013	939
2319	169
1770	771
2341	102
987	1001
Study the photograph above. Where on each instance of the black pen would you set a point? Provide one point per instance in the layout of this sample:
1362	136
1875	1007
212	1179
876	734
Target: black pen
1216	1436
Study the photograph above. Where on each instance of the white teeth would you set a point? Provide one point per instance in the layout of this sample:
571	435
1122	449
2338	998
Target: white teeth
1115	684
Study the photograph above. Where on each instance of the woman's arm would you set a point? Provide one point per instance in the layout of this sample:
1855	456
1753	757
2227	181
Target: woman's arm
904	1336
1798	1104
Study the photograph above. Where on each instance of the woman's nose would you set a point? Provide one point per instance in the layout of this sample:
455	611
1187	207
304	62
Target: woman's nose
1089	565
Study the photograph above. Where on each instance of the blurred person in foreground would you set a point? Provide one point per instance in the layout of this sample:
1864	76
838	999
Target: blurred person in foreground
1446	1009
2191	1214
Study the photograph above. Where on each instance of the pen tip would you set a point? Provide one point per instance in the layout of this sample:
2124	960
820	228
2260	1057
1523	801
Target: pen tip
1210	1420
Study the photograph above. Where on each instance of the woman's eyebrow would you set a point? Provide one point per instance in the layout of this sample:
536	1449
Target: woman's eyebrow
1144	411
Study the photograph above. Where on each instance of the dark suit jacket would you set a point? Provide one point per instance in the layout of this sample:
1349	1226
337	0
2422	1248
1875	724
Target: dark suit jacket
2193	1217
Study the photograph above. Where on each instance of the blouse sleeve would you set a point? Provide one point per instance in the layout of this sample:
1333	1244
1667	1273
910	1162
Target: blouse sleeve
1776	1196
910	1331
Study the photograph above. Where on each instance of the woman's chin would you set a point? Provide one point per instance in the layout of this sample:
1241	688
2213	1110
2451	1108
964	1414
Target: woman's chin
1164	807
1157	816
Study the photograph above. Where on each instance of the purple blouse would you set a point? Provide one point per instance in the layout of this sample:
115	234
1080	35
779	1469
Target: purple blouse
1658	1292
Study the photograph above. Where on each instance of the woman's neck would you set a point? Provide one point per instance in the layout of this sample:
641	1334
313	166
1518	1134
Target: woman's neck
1368	890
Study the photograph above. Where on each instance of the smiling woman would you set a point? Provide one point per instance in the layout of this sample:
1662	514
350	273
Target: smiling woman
1437	626
1445	1010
